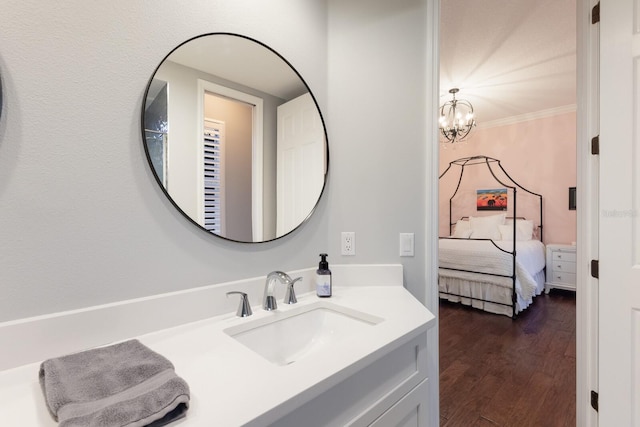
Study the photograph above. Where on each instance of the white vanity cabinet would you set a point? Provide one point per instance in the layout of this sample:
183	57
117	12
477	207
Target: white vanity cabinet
391	391
373	375
409	411
561	267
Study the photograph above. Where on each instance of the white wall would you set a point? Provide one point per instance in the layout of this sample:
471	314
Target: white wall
381	113
82	221
376	114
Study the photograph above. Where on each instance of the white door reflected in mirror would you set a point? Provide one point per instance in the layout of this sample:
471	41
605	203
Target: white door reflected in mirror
300	175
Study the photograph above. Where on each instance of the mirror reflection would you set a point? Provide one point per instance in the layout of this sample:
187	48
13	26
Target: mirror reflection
235	138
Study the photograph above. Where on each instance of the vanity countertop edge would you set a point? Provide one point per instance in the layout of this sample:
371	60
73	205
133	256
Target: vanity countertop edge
234	386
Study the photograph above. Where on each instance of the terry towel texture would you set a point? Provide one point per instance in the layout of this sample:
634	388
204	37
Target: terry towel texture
125	384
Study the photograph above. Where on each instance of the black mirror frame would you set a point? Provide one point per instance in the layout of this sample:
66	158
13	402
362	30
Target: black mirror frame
158	179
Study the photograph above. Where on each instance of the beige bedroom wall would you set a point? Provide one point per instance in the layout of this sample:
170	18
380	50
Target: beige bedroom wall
539	154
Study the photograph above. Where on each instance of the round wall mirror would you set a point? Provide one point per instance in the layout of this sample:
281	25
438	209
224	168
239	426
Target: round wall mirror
235	138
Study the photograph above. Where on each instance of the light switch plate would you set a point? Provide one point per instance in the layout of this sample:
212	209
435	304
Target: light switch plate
406	244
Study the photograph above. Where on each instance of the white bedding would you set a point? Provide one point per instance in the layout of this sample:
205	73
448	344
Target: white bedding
483	256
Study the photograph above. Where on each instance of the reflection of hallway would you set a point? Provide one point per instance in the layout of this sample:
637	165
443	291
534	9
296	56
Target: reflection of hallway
498	372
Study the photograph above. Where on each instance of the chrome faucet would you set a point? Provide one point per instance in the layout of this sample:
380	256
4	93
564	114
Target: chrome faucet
244	309
269	300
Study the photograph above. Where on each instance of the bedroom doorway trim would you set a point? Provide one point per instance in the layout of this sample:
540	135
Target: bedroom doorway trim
587	212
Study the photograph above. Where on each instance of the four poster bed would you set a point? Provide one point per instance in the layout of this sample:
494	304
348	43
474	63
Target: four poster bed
493	262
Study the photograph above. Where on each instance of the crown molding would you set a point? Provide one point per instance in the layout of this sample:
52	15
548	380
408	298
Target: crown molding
528	116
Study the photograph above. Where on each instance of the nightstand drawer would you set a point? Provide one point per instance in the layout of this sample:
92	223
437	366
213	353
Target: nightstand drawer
561	277
563	266
564	256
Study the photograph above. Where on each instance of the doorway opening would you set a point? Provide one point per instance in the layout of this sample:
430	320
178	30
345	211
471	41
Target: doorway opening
510	82
242	162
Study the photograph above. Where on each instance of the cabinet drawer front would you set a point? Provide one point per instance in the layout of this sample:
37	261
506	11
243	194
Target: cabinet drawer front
360	399
563	266
561	277
409	411
564	256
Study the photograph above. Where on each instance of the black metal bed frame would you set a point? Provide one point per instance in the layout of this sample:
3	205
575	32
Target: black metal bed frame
488	161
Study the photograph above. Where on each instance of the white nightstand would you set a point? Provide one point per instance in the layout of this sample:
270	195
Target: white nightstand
561	267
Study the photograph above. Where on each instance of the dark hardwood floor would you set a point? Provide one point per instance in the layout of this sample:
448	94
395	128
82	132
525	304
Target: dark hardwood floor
495	371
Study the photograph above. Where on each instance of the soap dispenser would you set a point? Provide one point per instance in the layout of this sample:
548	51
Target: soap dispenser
323	278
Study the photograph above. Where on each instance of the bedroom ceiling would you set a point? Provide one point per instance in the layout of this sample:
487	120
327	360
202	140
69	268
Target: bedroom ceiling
509	57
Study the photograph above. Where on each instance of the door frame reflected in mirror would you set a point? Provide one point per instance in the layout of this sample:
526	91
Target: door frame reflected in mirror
257	149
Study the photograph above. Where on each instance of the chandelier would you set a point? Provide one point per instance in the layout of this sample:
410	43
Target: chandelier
456	118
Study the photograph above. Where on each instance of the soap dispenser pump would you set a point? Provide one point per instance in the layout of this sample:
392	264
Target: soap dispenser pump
323	278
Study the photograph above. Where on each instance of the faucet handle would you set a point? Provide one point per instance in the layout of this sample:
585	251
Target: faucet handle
290	295
244	309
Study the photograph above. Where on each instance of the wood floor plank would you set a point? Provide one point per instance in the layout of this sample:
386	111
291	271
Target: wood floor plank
501	407
501	372
559	409
469	404
529	409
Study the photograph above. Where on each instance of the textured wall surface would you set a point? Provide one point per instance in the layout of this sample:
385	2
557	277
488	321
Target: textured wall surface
538	154
377	77
82	221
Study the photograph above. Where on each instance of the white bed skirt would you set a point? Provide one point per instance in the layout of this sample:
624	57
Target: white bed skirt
486	291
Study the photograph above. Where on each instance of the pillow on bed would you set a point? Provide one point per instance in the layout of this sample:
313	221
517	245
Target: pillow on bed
486	227
461	234
462	229
524	230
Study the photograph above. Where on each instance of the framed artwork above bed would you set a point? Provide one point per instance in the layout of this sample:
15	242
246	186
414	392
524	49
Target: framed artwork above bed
491	200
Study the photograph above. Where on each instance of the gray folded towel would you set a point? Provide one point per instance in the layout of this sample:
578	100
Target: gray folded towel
125	384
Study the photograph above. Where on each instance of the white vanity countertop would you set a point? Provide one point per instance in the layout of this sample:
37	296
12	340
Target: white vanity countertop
232	386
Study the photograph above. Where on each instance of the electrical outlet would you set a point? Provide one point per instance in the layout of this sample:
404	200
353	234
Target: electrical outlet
348	243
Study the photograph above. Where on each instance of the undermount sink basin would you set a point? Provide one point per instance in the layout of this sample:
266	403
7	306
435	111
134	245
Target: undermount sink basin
284	337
